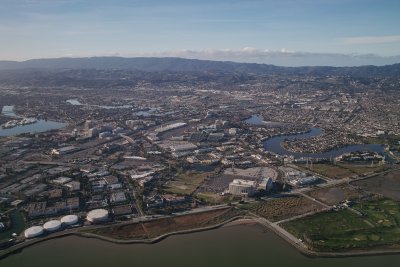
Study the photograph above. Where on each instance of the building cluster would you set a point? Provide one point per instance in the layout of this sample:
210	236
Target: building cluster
165	146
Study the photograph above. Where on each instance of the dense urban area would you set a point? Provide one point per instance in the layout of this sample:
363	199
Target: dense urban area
127	155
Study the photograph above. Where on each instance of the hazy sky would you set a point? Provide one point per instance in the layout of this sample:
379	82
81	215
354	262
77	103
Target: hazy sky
57	28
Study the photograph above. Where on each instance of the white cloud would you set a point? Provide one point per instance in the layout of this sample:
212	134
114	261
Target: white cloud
371	39
226	54
281	57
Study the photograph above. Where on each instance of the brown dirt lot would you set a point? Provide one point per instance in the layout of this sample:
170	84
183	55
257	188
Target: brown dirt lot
155	228
331	171
284	207
337	194
363	169
387	185
343	170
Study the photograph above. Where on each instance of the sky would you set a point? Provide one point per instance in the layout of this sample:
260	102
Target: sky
239	30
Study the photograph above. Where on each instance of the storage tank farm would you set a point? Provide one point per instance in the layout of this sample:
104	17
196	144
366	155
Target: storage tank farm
33	231
69	220
97	215
52	226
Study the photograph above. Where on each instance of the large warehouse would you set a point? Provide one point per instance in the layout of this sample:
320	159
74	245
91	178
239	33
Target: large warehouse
242	187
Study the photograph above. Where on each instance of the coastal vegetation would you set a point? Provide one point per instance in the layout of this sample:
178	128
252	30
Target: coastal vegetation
158	227
281	208
367	224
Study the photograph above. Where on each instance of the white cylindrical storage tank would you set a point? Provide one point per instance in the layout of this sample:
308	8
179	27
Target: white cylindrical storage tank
98	215
33	231
69	219
52	226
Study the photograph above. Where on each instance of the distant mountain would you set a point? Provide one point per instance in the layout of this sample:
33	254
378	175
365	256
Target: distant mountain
173	64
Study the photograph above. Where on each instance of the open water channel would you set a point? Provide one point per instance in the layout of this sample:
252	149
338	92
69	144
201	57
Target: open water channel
226	246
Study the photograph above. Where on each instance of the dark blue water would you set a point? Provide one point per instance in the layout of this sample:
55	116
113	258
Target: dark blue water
274	145
37	127
258	120
238	246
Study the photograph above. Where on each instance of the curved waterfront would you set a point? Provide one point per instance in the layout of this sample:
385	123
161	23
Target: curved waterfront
274	144
226	246
37	127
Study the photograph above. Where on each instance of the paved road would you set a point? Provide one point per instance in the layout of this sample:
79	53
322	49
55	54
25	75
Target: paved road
303	215
129	139
281	232
134	195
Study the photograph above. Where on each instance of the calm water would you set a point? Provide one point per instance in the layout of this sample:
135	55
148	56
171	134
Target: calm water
37	127
232	246
274	145
258	120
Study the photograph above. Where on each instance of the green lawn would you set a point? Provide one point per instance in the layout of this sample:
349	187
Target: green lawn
185	183
331	231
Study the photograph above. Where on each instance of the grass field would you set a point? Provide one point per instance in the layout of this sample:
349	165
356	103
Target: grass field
330	170
155	228
342	170
186	183
215	198
379	225
387	185
362	169
337	194
282	208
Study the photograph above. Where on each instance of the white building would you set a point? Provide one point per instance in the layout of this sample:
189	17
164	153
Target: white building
242	187
65	150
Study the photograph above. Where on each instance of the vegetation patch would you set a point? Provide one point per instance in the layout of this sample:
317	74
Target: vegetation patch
18	225
387	185
329	170
186	183
281	208
361	169
378	225
343	170
337	194
155	228
216	198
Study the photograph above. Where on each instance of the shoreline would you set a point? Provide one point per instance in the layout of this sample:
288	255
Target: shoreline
232	222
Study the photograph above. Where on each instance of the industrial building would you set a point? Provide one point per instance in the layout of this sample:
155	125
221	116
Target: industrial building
242	187
169	127
266	184
65	150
